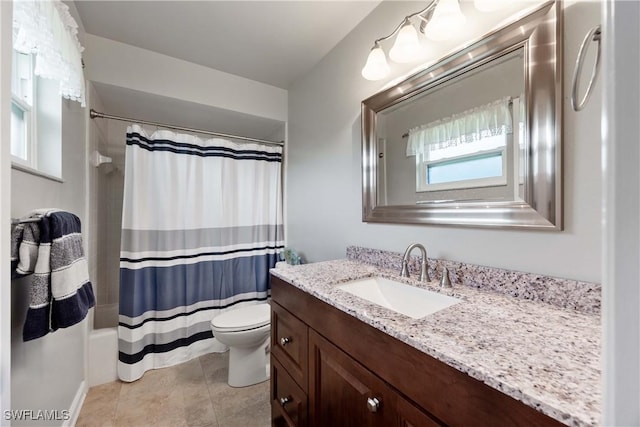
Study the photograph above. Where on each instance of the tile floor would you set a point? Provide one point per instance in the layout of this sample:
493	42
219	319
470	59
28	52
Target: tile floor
193	394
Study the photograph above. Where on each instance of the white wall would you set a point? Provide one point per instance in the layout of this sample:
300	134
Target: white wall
45	373
48	372
324	178
119	64
6	8
621	232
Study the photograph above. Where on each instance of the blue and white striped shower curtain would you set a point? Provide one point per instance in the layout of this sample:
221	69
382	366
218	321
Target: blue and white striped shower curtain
201	226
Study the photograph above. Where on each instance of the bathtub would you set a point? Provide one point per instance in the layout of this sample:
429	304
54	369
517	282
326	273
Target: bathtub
103	346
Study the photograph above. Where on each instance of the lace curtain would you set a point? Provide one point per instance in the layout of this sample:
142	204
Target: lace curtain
473	125
47	29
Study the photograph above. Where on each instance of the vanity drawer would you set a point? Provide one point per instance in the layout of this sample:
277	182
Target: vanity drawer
288	400
289	343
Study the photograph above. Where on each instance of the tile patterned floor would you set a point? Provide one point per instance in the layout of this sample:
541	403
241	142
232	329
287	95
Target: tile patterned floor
193	394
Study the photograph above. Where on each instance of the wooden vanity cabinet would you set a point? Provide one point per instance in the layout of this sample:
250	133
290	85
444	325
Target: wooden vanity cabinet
343	372
343	392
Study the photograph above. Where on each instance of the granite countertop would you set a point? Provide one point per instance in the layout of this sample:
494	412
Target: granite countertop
541	355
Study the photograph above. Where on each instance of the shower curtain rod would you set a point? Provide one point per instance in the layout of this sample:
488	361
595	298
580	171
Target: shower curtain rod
96	114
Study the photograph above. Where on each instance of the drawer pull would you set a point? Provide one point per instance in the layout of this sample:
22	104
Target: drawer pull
284	341
284	401
373	404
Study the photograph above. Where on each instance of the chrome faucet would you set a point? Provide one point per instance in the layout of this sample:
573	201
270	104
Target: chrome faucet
424	270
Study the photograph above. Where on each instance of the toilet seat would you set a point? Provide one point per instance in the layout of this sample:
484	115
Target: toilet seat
242	319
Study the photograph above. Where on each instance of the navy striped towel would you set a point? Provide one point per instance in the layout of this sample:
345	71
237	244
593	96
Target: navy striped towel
61	293
24	249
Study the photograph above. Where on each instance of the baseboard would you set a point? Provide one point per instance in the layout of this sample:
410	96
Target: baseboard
76	405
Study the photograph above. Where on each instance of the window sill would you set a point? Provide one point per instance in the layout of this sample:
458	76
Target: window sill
36	172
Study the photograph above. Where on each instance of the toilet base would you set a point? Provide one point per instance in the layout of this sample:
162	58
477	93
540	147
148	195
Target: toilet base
248	366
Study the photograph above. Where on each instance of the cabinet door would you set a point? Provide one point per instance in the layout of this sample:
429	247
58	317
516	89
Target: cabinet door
344	393
408	415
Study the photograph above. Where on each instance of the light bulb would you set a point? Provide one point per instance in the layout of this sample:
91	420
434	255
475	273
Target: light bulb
407	47
446	20
489	5
376	67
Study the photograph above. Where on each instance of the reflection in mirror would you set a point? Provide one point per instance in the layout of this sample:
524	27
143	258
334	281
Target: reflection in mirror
475	139
462	140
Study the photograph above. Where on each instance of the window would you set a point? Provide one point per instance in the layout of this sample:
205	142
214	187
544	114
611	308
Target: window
36	130
465	150
22	83
458	167
47	66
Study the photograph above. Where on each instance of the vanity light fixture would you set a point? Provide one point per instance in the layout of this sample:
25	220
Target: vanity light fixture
376	67
446	21
439	21
407	45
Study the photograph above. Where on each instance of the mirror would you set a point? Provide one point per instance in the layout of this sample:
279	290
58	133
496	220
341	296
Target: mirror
474	140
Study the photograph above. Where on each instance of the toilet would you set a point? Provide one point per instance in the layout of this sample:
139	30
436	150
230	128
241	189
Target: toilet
246	332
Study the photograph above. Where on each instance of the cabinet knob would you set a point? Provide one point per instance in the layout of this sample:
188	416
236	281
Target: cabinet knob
284	341
285	400
373	404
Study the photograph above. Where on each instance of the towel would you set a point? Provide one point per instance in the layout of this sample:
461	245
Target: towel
24	247
61	293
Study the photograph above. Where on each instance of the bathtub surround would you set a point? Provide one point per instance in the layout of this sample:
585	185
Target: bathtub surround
584	297
102	352
110	186
201	226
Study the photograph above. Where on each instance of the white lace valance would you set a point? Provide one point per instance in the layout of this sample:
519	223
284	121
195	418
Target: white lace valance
472	125
47	29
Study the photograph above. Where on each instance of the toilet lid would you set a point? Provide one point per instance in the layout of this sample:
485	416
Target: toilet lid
239	319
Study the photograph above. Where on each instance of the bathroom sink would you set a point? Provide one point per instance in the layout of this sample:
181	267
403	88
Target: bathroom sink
405	299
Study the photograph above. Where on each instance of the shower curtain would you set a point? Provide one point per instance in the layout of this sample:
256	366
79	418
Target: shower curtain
201	226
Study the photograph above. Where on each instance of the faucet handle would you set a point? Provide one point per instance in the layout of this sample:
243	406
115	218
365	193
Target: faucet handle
445	282
424	272
405	269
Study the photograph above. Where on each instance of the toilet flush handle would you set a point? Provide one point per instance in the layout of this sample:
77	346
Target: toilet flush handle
284	341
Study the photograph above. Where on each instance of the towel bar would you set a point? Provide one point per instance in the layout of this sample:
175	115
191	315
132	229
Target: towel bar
16	221
594	35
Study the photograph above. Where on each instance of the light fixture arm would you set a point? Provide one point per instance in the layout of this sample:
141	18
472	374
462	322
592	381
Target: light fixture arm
406	19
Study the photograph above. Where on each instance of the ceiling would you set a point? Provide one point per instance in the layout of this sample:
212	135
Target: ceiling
273	42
